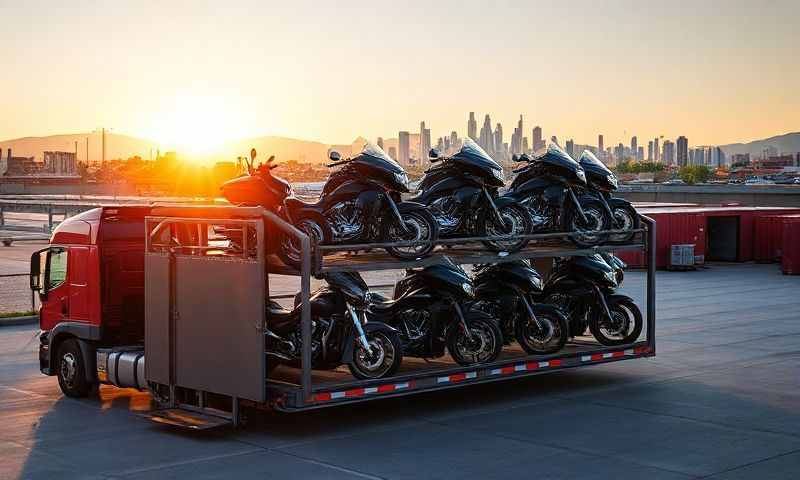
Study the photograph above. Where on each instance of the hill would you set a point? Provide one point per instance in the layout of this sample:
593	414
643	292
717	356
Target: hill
117	146
787	143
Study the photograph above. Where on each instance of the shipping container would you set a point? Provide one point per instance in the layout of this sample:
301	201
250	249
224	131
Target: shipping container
790	255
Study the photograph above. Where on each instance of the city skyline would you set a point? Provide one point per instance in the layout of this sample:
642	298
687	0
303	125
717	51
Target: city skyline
216	75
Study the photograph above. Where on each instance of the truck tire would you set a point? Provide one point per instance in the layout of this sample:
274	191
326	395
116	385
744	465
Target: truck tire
71	369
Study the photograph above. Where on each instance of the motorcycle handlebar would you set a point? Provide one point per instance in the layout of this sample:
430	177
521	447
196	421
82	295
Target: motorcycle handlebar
340	162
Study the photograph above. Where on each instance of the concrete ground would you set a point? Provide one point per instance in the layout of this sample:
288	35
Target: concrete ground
721	400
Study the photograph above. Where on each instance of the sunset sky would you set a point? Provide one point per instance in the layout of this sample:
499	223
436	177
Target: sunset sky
192	73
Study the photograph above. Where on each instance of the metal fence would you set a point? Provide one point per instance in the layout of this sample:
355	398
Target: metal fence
16	295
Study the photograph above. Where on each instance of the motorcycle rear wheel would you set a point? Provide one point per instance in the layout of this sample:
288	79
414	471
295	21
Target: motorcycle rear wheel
290	252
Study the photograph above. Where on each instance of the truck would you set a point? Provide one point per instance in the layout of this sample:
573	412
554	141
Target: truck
173	299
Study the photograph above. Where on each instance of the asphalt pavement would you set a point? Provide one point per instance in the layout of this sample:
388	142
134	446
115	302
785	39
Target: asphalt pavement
720	400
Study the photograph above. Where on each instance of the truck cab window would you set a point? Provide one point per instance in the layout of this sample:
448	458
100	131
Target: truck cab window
57	268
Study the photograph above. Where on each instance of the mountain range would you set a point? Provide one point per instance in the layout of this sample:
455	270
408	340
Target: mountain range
125	146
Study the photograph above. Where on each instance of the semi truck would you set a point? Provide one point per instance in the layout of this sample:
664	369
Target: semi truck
173	299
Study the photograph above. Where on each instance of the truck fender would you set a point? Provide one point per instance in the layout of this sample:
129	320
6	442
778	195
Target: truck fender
347	353
85	334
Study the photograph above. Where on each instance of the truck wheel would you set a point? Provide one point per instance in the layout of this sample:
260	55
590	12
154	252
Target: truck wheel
71	370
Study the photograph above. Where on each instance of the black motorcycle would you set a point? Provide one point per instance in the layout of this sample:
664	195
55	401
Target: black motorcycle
600	183
340	333
506	291
583	287
360	203
547	187
461	192
429	312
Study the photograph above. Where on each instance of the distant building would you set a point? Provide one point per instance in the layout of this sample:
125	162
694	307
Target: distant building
472	127
60	163
640	154
536	137
698	156
404	148
392	153
740	159
571	148
650	151
668	156
498	138
634	145
656	150
380	142
424	141
776	161
19	166
600	143
486	137
682	151
619	153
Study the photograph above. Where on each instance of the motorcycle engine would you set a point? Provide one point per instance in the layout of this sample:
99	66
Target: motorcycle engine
415	324
541	214
445	210
346	220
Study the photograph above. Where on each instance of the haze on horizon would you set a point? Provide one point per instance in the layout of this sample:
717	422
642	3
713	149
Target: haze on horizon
192	74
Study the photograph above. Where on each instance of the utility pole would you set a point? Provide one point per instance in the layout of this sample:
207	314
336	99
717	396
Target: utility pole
103	164
87	152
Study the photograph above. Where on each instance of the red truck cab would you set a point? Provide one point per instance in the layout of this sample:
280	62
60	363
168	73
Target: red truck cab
90	281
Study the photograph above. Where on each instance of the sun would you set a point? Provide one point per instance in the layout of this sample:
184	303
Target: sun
198	125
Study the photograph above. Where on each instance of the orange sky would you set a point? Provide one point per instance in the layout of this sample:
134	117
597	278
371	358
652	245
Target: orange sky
193	75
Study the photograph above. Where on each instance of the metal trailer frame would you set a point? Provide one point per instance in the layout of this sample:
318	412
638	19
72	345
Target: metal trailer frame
305	395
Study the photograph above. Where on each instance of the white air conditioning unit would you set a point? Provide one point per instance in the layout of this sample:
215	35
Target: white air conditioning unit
682	256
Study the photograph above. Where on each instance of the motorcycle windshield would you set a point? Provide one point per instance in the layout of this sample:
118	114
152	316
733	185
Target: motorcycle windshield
590	162
472	154
554	155
350	284
376	157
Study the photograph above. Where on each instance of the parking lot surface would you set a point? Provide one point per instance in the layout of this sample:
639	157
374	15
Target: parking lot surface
720	400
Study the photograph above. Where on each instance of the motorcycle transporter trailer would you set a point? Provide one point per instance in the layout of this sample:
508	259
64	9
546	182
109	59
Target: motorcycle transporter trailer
171	275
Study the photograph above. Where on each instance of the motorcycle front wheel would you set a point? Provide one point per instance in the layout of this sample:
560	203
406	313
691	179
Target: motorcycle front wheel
482	344
624	326
585	233
544	337
625	218
516	222
383	359
420	227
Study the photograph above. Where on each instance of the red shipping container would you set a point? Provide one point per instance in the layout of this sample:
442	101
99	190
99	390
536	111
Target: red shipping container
790	258
767	232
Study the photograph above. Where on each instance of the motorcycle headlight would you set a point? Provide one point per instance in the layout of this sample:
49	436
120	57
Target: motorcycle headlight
612	278
612	179
468	289
498	174
402	179
581	175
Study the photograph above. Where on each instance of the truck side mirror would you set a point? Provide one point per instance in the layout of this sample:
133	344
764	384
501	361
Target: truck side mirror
36	270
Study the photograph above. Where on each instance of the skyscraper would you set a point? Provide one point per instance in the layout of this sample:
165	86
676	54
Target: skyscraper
455	144
380	142
655	150
668	157
486	137
634	145
424	141
640	154
536	137
571	148
404	146
682	151
472	127
392	153
498	138
650	151
600	143
619	153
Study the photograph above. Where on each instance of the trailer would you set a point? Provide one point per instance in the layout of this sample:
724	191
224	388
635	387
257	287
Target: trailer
201	305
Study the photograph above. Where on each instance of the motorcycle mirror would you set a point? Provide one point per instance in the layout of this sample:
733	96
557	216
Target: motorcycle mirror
271	159
433	153
252	155
515	158
335	156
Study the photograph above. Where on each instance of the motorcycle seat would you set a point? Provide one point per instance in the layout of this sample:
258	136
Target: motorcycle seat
294	203
281	320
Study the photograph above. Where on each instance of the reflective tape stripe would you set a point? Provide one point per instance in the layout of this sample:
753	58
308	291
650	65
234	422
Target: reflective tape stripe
458	377
524	367
360	392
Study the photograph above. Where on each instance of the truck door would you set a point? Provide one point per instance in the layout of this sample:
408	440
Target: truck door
55	307
78	264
